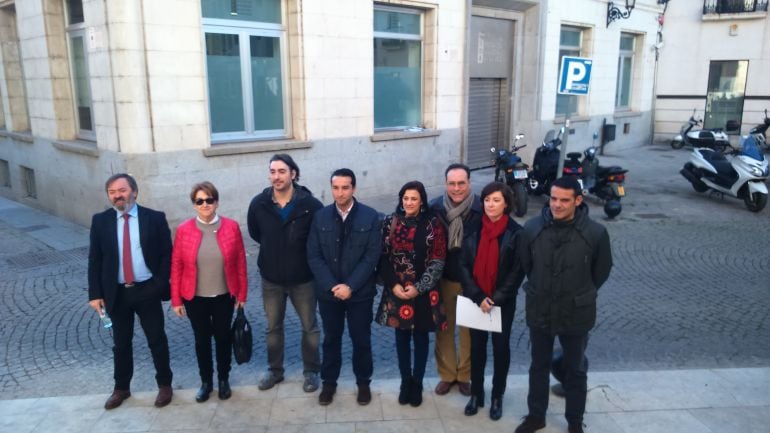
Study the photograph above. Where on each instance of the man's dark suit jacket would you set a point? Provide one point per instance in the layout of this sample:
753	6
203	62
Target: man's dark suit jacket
103	255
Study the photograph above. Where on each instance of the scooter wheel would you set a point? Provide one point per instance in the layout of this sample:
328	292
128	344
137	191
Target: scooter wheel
677	144
757	204
612	208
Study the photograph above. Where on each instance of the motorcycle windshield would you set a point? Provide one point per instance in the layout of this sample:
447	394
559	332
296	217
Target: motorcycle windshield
749	148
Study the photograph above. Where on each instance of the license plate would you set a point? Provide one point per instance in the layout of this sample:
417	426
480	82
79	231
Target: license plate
621	191
519	174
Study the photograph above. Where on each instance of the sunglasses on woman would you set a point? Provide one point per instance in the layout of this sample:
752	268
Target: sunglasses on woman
200	201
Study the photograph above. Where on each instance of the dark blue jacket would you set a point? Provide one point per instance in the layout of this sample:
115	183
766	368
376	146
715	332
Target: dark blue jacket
348	257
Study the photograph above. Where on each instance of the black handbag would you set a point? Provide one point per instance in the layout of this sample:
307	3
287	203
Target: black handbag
241	336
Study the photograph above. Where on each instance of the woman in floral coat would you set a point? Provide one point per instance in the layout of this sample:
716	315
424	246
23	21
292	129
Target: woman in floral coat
414	249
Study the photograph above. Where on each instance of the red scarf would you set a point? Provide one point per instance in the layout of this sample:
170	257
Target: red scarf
488	254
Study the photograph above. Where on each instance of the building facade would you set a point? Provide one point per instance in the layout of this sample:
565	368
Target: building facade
714	63
179	91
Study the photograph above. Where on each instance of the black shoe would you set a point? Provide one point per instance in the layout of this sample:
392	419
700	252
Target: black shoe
203	392
364	394
530	424
415	394
558	390
405	391
224	390
496	409
327	394
576	427
473	405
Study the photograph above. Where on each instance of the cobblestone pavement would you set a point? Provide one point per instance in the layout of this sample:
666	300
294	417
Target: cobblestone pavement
689	290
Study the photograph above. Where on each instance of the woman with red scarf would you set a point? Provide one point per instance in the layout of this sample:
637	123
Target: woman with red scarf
491	277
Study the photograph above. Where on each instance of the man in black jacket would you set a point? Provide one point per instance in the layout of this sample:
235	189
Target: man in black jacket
279	221
343	250
566	257
460	210
129	263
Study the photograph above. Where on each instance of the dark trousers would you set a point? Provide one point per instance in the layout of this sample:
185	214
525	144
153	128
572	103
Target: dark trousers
142	300
359	316
211	317
404	339
575	374
501	352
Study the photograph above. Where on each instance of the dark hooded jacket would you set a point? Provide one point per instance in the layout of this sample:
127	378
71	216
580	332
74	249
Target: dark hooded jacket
282	244
565	264
471	224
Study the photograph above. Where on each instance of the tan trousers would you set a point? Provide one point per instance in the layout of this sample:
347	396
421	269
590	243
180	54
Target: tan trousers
452	365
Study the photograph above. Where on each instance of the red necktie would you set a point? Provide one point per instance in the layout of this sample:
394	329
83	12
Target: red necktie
128	266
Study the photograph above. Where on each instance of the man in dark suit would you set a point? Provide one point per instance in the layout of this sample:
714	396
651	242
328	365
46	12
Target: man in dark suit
129	263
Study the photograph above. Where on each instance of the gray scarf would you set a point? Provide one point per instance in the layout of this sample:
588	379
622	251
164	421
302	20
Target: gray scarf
455	214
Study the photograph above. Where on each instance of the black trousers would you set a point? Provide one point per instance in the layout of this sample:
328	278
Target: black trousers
501	353
359	316
404	338
142	300
212	317
575	373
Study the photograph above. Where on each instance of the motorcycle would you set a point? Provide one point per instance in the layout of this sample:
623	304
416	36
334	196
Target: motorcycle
606	183
715	138
545	164
743	175
512	171
760	132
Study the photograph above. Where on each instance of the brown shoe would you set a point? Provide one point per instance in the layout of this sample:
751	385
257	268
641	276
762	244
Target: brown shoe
117	398
465	388
164	396
443	388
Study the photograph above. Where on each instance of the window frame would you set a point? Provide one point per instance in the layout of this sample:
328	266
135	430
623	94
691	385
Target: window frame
625	54
406	37
245	29
73	31
574	50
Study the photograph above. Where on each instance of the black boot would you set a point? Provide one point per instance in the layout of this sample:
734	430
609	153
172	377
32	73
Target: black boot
415	395
406	389
474	404
224	389
496	410
203	392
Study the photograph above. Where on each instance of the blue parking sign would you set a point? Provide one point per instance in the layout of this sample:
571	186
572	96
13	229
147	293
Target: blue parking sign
574	75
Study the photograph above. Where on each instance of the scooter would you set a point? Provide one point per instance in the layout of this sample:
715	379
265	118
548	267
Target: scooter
545	164
606	183
512	171
743	175
715	138
760	132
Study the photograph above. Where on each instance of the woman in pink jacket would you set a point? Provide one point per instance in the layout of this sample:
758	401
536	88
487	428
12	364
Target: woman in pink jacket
208	279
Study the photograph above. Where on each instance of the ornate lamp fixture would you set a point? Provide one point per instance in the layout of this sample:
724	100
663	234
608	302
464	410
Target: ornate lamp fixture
615	13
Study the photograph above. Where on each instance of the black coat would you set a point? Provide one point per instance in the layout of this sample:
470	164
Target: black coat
509	275
282	244
351	257
103	256
471	224
566	264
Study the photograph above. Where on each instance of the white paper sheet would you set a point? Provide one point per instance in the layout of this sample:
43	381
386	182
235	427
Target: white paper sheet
470	315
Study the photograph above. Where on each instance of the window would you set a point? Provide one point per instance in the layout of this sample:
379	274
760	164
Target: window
570	41
78	56
397	68
724	97
625	71
12	85
245	43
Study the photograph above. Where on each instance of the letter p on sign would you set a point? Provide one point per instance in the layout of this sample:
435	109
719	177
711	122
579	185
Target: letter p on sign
574	76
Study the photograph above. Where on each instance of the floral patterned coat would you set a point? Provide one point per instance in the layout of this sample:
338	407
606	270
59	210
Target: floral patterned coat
414	251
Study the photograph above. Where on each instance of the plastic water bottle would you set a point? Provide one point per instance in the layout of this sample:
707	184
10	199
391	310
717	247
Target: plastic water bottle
106	321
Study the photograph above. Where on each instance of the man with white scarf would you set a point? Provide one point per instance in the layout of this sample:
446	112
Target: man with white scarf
460	210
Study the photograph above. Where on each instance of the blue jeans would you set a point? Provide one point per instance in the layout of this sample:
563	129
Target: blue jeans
359	316
303	299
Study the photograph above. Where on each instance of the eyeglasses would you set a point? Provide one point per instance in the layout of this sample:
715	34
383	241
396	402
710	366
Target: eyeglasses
200	201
